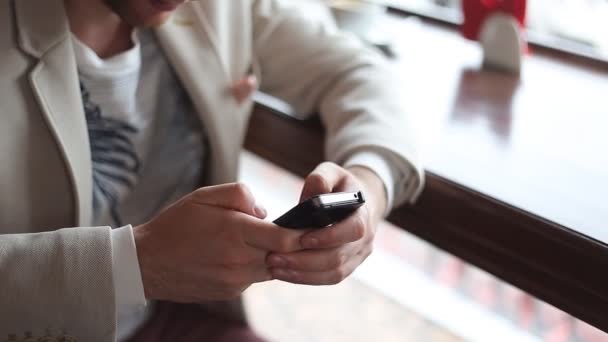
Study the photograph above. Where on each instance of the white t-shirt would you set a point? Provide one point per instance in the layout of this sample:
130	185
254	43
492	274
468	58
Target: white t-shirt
147	144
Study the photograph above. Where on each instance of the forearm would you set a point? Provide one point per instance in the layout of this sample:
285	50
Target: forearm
357	92
59	281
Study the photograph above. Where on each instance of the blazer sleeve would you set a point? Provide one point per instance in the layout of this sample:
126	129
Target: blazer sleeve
56	284
355	90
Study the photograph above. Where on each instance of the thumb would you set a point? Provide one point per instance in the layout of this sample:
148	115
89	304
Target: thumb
323	179
233	196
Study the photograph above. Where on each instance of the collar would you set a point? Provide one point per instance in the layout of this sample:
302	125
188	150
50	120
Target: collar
41	25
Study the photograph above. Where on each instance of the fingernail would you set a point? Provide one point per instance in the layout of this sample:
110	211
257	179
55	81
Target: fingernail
277	261
310	242
259	211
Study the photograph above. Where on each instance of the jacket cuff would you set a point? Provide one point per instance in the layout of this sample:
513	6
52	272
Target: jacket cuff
128	284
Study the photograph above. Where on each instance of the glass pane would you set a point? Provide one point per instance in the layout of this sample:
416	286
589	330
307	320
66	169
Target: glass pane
578	25
407	290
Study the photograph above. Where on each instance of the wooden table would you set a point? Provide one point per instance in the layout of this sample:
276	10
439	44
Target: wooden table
517	168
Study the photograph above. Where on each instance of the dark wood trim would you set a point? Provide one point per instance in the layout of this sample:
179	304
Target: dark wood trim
292	144
552	262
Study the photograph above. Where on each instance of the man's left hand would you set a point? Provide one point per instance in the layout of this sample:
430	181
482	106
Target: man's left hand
331	254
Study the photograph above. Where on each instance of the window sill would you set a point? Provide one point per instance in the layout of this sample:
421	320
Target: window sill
569	50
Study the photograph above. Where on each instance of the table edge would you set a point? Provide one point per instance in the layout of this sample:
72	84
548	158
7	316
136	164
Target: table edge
554	263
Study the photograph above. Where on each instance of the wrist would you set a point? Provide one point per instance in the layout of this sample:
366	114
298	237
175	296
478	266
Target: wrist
141	236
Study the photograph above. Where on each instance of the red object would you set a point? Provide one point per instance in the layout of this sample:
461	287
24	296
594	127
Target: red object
477	11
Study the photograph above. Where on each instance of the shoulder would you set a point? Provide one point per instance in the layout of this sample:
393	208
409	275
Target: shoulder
13	58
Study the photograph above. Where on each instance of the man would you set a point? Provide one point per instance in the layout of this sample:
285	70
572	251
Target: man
115	112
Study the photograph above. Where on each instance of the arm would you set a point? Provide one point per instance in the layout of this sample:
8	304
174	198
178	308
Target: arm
354	89
60	281
359	99
209	246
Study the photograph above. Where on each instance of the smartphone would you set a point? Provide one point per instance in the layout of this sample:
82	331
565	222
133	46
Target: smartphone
322	210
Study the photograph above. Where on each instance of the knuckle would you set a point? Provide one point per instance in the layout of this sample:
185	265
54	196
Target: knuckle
359	229
338	276
316	179
371	235
365	253
359	232
199	196
234	264
369	250
198	192
328	165
314	176
330	234
242	190
338	260
283	245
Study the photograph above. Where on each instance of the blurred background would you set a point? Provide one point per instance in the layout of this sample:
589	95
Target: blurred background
577	26
409	290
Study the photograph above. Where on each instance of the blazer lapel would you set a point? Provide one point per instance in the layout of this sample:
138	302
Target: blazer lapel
190	45
44	34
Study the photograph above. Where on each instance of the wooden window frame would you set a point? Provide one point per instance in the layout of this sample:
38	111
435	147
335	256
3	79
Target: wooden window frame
550	261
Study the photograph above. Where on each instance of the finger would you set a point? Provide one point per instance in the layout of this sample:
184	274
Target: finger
233	196
237	277
254	258
351	229
243	89
259	275
317	278
245	265
270	237
317	260
323	179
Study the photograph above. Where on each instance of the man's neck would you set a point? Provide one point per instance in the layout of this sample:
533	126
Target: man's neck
98	27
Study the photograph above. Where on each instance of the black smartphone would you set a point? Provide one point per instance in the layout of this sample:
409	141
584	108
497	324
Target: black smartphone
322	210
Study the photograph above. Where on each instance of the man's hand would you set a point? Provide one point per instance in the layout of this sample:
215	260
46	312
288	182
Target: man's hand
333	253
210	245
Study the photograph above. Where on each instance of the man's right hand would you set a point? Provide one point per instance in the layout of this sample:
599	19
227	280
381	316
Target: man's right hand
210	245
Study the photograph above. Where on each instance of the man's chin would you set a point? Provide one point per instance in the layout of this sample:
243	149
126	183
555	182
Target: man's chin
135	17
155	21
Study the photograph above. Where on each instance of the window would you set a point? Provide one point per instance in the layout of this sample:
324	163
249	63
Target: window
407	290
576	26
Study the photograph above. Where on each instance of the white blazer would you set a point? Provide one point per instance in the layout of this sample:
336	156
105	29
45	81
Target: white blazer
60	280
